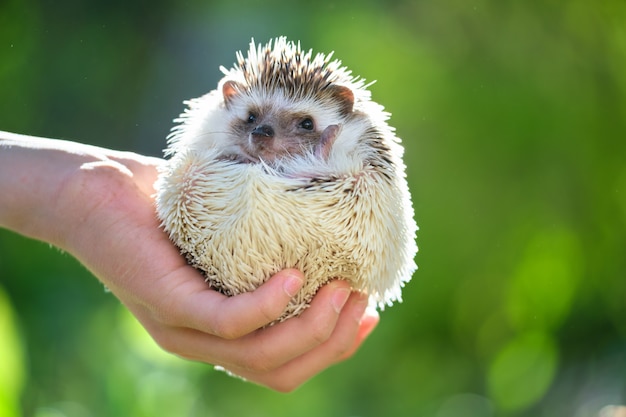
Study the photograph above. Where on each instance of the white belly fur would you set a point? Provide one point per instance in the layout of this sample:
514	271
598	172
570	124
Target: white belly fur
242	223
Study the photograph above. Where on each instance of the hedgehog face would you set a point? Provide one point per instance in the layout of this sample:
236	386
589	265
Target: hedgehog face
281	106
271	125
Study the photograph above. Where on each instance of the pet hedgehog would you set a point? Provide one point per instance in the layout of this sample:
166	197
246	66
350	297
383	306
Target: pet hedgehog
289	164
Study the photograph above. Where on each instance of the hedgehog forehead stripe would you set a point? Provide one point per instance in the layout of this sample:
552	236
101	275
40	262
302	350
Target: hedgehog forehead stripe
285	66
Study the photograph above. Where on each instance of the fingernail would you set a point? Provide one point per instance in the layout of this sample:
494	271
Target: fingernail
339	298
292	284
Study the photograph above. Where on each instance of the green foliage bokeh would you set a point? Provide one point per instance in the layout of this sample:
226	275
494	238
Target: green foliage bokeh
513	116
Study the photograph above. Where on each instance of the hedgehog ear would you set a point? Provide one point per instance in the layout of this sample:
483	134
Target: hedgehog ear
230	90
344	96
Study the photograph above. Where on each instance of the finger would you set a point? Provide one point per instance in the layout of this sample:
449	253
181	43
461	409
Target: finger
351	330
268	348
272	347
192	304
369	321
345	340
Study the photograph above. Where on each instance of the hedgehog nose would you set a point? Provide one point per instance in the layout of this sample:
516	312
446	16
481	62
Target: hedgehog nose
263	131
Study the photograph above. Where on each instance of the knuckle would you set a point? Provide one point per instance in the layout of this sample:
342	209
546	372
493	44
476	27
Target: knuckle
165	312
343	352
234	325
269	311
224	329
166	342
320	331
286	383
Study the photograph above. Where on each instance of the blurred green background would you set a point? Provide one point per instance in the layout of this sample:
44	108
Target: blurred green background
513	115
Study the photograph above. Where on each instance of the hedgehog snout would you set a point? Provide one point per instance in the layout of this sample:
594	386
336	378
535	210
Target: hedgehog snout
262	133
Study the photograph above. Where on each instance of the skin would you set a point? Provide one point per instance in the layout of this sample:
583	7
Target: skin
97	204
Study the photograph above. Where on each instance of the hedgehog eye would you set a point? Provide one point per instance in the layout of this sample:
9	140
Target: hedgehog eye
306	124
251	118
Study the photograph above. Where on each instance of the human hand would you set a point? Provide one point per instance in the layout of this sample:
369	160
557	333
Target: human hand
103	213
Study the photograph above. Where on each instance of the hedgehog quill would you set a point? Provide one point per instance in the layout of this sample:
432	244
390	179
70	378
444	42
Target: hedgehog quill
289	164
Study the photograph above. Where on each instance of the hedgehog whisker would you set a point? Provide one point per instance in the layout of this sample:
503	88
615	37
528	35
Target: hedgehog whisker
215	132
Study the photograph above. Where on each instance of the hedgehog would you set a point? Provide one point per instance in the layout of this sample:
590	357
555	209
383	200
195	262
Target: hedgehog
289	164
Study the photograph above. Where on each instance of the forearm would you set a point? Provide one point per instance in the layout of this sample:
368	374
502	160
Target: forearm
34	173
